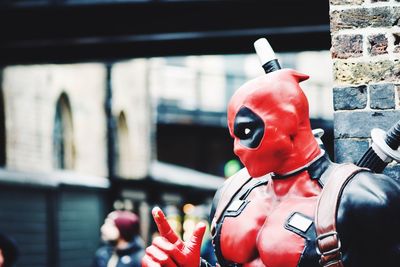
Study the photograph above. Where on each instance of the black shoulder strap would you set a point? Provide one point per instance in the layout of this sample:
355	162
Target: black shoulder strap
225	194
230	201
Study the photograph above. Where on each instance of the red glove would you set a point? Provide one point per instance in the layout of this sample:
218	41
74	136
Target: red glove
169	250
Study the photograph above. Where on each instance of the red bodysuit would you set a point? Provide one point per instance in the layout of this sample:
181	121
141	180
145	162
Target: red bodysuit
275	237
261	236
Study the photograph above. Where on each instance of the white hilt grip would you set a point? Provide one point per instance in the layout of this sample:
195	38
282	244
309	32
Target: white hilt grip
318	133
264	51
385	152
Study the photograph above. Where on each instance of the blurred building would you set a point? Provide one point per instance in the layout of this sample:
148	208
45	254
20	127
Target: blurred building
53	185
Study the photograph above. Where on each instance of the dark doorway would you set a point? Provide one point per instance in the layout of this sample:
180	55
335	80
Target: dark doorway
2	130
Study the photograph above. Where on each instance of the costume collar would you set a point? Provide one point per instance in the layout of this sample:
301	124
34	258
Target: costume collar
315	167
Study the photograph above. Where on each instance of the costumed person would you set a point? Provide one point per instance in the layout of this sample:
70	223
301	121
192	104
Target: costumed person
8	251
124	246
290	206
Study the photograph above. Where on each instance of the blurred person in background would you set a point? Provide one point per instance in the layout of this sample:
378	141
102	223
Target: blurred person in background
8	251
123	244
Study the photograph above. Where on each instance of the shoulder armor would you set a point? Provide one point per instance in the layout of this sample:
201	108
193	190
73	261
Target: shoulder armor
230	189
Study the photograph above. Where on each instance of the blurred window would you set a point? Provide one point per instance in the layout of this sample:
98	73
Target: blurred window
122	147
177	61
63	143
2	132
206	83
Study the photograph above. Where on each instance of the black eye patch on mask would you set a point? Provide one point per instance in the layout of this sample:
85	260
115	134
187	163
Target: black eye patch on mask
248	127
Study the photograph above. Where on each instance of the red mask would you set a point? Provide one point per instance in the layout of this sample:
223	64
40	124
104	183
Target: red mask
268	119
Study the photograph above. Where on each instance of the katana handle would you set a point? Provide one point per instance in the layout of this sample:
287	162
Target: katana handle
266	55
384	149
372	161
393	136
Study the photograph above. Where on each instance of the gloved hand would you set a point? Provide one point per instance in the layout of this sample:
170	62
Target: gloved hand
169	250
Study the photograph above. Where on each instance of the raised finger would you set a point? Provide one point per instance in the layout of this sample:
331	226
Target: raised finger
163	226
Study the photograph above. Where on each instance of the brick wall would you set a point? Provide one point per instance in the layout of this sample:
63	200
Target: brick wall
366	67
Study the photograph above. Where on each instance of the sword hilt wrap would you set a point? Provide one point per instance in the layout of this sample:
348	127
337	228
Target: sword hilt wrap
393	136
386	144
384	149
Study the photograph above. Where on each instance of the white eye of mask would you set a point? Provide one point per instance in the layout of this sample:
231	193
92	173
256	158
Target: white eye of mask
109	232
